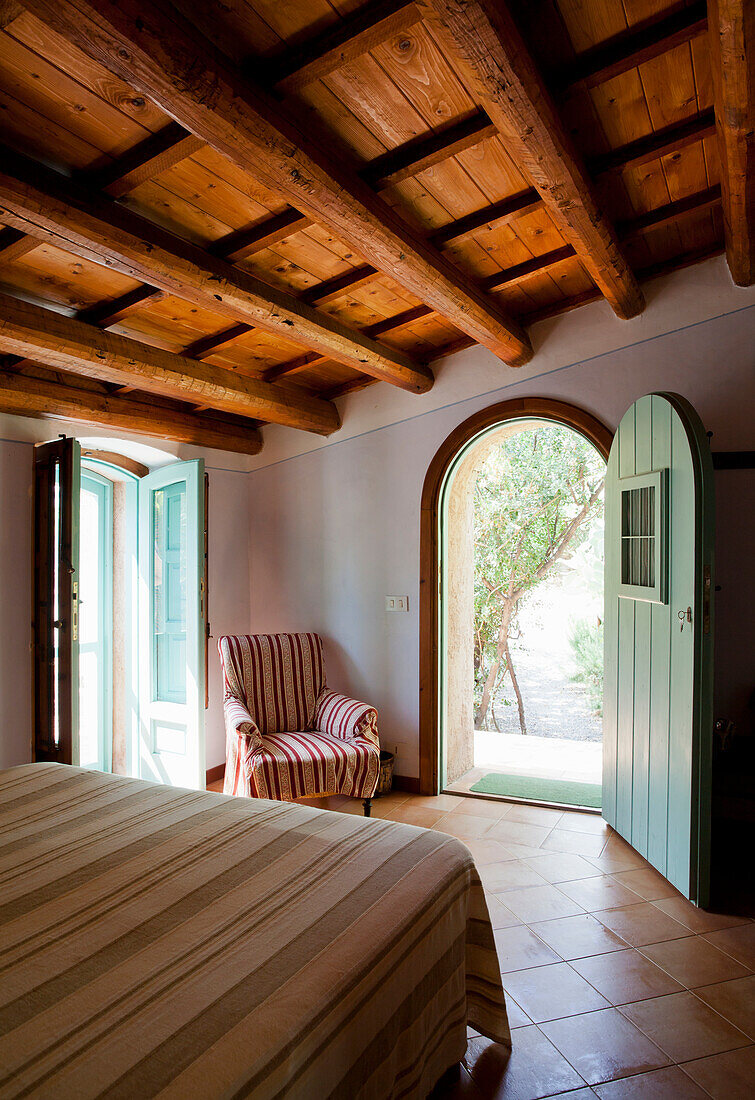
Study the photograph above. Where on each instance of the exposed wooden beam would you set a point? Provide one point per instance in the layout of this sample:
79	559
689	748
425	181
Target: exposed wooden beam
632	47
156	154
400	163
423	152
659	144
370	25
388	324
41	201
162	55
149	158
732	41
64	342
14	244
502	77
670	212
9	10
22	395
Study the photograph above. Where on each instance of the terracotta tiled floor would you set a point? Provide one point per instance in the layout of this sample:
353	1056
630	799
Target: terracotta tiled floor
617	987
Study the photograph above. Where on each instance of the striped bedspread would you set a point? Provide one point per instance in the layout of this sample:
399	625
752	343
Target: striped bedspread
173	943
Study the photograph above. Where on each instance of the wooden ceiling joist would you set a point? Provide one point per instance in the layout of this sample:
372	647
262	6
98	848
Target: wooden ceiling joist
424	152
265	234
22	395
71	345
634	46
733	62
40	201
502	76
159	53
109	313
14	244
208	345
670	212
368	27
669	139
156	154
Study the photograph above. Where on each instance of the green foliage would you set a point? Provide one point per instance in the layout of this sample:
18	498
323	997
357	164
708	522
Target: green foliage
586	640
532	497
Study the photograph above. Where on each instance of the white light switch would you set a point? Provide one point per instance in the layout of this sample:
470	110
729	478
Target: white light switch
396	603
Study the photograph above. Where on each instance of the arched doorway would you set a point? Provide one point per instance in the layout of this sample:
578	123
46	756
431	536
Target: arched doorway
447	645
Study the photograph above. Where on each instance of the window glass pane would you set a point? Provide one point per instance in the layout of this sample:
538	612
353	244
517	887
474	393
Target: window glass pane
169	592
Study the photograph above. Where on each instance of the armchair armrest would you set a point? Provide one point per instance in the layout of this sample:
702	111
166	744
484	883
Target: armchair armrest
239	722
348	719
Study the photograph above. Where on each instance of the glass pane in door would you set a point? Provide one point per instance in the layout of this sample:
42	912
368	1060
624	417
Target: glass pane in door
169	523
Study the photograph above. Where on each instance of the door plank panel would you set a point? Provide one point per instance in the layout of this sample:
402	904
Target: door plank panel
642	654
658	761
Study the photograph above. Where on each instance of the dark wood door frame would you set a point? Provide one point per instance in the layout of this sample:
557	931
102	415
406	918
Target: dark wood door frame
429	576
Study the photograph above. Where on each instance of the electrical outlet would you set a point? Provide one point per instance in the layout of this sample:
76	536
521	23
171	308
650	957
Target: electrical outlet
396	603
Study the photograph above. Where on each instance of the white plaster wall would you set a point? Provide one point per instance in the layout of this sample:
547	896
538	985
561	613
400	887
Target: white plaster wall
15	602
336	529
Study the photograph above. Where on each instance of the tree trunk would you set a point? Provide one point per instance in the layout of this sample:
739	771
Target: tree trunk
515	683
507	609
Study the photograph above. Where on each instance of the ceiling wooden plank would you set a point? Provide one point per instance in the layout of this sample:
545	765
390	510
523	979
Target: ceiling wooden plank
40	201
166	58
368	27
495	61
22	395
634	46
733	62
69	344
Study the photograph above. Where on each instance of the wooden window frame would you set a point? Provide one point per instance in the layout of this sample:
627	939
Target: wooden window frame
537	408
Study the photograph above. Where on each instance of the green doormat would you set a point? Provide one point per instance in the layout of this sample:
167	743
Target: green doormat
540	790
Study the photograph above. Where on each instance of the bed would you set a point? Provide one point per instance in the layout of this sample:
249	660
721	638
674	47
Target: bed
158	941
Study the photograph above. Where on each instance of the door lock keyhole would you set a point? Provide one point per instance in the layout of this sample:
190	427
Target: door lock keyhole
684	617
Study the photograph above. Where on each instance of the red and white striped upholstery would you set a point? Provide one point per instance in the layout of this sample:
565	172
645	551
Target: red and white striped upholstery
287	735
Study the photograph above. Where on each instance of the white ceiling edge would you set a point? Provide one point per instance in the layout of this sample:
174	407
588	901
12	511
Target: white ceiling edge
687	297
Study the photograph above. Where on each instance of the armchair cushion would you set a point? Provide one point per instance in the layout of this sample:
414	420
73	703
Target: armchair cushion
345	718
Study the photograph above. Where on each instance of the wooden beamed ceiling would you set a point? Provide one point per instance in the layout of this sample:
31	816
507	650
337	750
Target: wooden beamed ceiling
290	203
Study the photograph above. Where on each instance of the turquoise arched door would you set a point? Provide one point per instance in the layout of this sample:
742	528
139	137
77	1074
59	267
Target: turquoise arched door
658	639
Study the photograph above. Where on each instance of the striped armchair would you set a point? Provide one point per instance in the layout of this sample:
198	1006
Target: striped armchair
287	735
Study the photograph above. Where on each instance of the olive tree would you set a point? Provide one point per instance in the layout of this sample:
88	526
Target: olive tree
533	496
